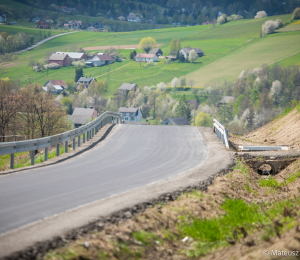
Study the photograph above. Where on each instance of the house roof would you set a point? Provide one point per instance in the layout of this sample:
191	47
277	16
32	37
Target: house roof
46	21
105	57
178	120
59	82
194	101
79	111
145	55
56	56
226	99
131	16
95	58
154	50
127	86
72	55
84	79
187	50
57	87
79	119
128	109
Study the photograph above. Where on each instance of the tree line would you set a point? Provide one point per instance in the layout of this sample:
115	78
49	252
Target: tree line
11	43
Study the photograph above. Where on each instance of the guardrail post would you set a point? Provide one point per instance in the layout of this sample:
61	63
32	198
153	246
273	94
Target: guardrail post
46	154
83	138
79	141
66	146
12	160
32	157
74	144
93	131
87	136
57	150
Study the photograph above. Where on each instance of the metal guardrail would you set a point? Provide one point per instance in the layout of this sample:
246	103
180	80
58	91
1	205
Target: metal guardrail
87	131
221	132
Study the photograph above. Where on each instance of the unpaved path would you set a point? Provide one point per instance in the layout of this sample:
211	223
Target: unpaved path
96	48
11	64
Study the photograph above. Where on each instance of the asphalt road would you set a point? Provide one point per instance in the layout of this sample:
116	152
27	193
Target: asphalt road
133	156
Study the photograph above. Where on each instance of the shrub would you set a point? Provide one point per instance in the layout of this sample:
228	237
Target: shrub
51	66
203	119
296	13
80	63
278	23
162	86
221	20
150	63
261	14
269	27
235	17
175	82
182	81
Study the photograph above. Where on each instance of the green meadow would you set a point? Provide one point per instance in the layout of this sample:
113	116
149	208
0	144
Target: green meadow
228	50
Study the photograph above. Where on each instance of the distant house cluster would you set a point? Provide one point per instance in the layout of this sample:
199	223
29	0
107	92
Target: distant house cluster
74	24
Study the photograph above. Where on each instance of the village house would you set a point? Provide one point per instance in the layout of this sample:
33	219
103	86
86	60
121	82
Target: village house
131	114
2	18
158	52
121	18
91	29
175	121
60	59
43	24
144	57
97	25
85	81
81	116
75	56
134	18
74	24
186	52
126	87
100	60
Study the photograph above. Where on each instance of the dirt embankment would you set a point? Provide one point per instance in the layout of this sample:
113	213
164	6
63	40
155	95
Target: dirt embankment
282	131
157	232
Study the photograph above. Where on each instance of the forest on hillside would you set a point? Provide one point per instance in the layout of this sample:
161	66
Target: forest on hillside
168	11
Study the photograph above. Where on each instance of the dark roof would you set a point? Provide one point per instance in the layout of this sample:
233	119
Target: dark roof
79	111
187	50
178	120
155	50
128	109
127	86
80	120
131	16
226	99
84	79
59	82
105	57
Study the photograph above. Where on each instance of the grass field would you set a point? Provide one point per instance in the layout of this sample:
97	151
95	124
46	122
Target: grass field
228	49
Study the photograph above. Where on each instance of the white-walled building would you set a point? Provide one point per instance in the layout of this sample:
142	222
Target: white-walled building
131	114
144	57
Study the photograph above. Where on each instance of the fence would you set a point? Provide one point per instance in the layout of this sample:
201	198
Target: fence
87	131
221	132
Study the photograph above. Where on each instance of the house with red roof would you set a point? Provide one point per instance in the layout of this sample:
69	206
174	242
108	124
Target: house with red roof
43	24
60	59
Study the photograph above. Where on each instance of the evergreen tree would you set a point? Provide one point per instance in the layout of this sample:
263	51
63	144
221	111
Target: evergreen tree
183	109
78	74
70	109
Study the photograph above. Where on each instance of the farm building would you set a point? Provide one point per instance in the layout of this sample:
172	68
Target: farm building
144	57
186	51
74	24
43	24
121	18
126	87
134	18
60	59
85	81
158	52
81	116
130	114
74	56
100	60
175	121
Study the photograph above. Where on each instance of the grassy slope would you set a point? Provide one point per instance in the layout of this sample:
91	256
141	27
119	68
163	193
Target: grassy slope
228	49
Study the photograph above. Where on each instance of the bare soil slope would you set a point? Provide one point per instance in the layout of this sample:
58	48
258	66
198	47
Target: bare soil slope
282	131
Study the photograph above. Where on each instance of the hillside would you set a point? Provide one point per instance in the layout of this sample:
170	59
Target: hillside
285	130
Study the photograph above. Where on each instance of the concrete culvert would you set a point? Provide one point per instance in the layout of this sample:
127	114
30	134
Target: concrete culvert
265	169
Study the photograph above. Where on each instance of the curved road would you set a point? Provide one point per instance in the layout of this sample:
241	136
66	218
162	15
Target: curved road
133	156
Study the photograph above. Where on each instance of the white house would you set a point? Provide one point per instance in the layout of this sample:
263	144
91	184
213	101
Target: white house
144	57
2	18
134	18
131	114
55	90
100	60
